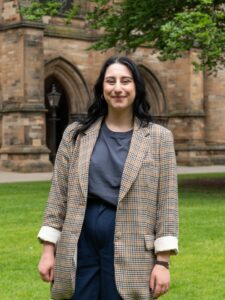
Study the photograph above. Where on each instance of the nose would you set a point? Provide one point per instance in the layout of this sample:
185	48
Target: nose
117	87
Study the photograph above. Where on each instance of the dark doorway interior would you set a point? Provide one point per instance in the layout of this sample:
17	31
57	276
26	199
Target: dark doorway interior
155	96
62	114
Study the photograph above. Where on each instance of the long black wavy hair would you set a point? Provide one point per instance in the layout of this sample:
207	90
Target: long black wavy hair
99	107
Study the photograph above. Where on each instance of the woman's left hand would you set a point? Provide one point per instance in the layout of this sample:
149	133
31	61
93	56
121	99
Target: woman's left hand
159	280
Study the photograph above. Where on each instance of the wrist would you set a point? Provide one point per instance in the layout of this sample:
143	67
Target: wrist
163	256
165	264
48	248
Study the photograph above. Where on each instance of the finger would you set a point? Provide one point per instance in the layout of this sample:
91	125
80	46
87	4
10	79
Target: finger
159	290
45	276
152	282
165	288
51	274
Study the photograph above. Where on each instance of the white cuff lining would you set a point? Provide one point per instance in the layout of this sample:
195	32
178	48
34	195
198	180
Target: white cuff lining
166	243
49	234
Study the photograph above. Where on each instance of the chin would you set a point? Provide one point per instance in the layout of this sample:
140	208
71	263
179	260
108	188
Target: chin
119	107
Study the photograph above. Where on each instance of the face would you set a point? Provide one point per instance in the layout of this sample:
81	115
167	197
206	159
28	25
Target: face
119	88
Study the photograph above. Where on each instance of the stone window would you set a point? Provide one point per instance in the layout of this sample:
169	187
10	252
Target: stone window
67	4
83	5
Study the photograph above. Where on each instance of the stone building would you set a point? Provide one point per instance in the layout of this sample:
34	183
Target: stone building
34	56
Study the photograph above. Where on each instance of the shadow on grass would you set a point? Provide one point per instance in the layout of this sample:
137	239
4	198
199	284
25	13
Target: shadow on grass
203	181
206	183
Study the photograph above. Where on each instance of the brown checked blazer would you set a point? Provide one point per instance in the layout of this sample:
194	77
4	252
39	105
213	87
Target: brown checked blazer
147	208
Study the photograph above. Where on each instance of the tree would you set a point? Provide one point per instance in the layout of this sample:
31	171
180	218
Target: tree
39	8
169	27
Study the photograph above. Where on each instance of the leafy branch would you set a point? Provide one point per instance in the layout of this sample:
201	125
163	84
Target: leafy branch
37	10
169	27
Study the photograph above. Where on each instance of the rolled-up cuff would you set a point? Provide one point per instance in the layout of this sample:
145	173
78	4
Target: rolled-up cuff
166	243
49	234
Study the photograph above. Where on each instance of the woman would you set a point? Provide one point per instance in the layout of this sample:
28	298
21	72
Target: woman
111	221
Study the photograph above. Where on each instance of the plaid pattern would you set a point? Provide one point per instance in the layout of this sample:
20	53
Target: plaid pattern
147	208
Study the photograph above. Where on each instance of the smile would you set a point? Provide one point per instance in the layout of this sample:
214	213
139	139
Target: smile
118	97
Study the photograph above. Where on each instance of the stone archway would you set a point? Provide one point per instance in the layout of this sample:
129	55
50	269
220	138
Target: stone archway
155	95
73	101
62	112
72	81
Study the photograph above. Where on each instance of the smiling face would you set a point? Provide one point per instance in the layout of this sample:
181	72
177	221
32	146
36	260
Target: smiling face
119	88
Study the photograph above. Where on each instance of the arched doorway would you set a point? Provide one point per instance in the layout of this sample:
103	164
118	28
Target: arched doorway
71	85
62	112
155	96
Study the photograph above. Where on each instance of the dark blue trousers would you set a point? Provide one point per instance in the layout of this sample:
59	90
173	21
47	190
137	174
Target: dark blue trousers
95	279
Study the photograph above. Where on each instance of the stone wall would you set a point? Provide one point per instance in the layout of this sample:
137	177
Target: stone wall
1	94
184	93
23	109
215	116
9	11
31	53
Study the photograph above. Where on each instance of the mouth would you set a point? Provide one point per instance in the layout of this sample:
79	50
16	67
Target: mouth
118	97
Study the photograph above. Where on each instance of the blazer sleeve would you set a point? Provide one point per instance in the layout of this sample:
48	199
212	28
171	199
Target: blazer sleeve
57	201
167	201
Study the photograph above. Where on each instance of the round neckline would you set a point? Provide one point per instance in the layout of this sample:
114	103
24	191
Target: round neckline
117	133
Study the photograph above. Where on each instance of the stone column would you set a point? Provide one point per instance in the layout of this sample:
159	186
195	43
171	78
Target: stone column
195	103
1	35
23	110
188	122
215	116
215	109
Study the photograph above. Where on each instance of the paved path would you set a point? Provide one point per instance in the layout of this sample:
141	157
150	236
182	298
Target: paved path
20	177
200	170
23	177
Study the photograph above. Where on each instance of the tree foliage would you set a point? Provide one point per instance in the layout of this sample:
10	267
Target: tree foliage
37	9
169	27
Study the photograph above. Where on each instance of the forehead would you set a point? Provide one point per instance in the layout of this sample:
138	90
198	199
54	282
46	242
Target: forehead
118	70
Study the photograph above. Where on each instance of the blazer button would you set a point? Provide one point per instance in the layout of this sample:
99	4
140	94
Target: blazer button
118	235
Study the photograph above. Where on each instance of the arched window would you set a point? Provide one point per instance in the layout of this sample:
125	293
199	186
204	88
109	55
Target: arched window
155	95
75	95
67	4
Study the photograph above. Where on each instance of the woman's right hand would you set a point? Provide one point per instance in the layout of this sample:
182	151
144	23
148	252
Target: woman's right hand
47	262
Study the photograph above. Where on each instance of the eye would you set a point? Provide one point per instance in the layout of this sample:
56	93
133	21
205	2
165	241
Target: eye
126	80
110	81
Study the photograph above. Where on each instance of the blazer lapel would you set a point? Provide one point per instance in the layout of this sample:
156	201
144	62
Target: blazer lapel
87	144
138	147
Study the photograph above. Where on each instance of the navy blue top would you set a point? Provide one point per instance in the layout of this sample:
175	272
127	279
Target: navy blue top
107	163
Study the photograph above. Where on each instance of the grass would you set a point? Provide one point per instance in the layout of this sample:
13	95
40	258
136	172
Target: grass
22	206
198	272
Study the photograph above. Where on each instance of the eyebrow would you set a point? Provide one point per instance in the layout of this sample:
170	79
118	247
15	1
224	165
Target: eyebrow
123	77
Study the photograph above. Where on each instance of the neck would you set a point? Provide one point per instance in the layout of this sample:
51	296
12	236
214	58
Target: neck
119	122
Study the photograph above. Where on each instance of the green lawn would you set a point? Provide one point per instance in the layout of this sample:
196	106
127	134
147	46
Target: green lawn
22	206
198	272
